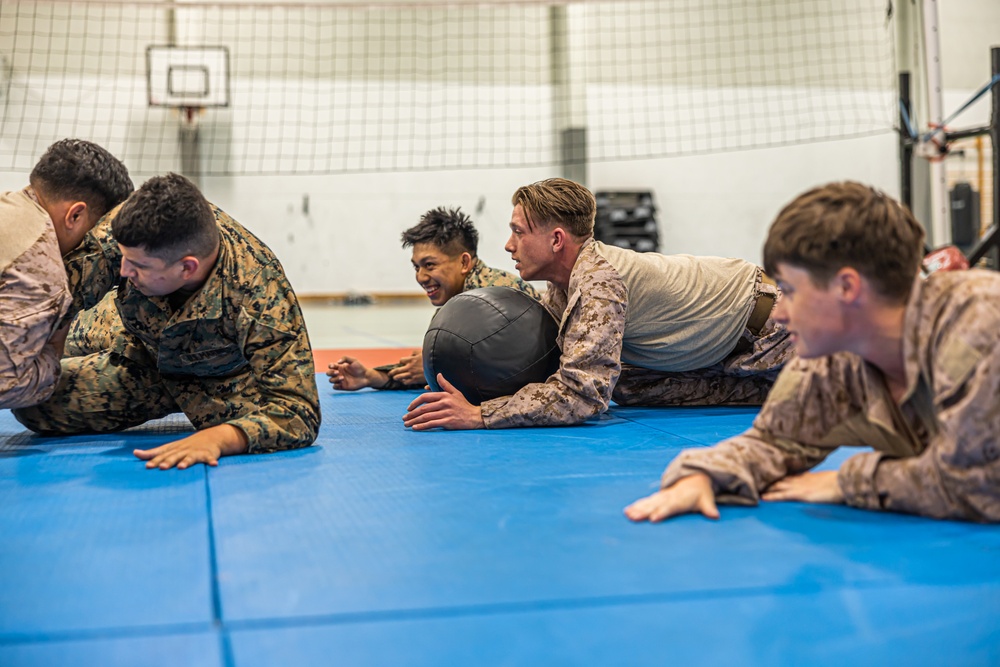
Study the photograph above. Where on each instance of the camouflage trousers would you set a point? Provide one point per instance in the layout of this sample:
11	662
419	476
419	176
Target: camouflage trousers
742	378
100	393
108	391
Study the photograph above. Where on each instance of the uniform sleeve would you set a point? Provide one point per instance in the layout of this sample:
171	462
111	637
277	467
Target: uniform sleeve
93	267
795	430
394	384
277	347
588	367
33	299
958	475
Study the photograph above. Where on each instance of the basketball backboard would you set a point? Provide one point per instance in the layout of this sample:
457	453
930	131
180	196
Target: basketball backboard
187	76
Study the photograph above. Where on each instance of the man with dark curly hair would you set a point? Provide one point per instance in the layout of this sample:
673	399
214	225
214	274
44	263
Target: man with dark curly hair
74	183
444	259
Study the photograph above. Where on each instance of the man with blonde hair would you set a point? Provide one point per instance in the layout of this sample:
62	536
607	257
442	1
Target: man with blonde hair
641	328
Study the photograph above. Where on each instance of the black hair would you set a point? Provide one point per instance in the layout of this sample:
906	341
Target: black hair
78	170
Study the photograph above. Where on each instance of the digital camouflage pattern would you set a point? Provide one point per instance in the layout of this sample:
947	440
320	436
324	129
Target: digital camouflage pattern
34	297
236	352
593	314
937	452
481	275
94	329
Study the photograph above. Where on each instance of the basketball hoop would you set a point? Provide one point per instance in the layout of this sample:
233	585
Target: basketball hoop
188	79
190	116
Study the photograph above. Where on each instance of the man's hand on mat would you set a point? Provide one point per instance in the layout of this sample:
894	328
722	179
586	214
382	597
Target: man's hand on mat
205	446
690	494
349	374
446	409
809	487
411	370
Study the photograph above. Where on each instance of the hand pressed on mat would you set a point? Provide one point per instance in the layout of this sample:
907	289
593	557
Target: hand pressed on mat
692	494
445	409
809	487
205	446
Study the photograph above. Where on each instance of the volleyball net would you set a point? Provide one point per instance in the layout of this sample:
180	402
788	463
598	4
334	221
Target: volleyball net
320	89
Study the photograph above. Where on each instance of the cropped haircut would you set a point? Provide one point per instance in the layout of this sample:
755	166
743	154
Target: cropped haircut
168	218
78	170
848	224
558	202
449	229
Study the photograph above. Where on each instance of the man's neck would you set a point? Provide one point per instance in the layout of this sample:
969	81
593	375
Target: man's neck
205	269
563	266
881	345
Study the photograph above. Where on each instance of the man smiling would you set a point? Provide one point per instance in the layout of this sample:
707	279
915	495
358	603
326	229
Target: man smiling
908	367
445	263
641	328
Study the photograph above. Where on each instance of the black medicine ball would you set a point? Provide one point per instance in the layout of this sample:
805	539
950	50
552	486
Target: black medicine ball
490	342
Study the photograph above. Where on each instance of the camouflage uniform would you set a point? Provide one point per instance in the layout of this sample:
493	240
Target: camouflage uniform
94	329
236	352
34	297
937	452
484	276
605	320
480	276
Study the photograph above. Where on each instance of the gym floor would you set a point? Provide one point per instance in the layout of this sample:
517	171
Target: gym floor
383	546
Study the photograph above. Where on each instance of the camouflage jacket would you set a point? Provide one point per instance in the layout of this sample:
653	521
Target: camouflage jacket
937	452
236	352
654	311
34	297
591	315
480	276
485	276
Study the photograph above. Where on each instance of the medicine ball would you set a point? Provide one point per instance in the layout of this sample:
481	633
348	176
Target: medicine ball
490	342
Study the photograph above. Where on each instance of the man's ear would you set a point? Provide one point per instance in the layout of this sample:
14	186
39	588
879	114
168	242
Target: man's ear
849	284
466	262
189	266
559	238
77	217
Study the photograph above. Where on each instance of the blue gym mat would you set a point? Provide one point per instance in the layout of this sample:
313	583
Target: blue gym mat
383	546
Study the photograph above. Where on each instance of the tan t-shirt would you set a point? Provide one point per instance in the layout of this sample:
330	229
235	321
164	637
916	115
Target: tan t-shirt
684	312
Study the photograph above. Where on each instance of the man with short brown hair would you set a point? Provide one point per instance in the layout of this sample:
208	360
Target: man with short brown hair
908	367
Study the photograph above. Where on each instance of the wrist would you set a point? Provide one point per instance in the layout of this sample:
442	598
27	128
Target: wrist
377	379
234	442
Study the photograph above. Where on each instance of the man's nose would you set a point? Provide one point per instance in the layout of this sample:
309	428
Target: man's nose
780	312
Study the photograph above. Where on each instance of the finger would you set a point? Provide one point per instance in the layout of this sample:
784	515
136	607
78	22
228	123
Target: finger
168	460
186	461
428	398
446	386
638	511
662	510
706	505
430	422
146	454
